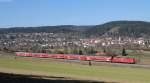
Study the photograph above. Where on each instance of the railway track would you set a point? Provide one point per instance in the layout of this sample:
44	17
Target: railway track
93	63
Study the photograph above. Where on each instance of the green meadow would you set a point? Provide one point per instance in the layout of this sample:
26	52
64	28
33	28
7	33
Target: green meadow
49	67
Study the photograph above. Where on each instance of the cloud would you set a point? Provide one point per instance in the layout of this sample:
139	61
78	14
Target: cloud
6	0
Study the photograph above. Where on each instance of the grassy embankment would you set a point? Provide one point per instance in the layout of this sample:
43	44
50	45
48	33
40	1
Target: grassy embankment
47	67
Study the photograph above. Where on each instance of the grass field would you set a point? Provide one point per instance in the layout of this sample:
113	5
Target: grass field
38	66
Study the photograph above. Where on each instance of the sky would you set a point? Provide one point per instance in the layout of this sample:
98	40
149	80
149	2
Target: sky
24	13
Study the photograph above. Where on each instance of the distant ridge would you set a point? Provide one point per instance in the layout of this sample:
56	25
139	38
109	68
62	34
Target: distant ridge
111	29
121	28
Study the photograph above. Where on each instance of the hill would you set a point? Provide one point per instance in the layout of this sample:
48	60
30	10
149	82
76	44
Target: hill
121	28
52	29
113	29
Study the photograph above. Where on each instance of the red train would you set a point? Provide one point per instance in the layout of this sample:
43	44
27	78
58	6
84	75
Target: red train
79	57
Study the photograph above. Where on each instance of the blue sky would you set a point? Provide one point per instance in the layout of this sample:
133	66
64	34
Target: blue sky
70	12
